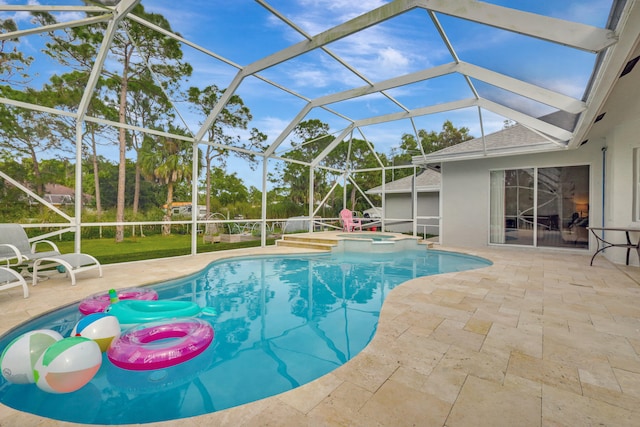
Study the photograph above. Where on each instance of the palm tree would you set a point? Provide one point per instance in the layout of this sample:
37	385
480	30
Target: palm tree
167	161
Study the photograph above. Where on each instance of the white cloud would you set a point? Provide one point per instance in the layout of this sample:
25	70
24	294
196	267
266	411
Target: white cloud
24	17
181	19
315	16
271	126
592	12
392	58
311	78
566	86
69	16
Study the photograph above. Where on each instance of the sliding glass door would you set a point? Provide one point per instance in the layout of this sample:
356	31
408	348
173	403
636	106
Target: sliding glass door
540	206
512	207
563	206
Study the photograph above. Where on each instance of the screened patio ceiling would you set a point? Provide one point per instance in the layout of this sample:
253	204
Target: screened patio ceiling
373	70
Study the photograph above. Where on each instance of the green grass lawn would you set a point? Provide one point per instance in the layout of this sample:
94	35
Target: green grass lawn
107	251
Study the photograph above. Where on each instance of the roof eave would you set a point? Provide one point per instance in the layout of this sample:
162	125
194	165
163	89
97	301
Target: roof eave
472	155
430	189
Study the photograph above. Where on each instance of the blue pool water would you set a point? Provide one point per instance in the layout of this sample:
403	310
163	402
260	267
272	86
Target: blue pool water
281	321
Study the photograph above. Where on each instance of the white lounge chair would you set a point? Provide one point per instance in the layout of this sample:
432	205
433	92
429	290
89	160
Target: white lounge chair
11	279
16	250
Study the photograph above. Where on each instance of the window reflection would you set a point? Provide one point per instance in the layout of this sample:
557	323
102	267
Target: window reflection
548	206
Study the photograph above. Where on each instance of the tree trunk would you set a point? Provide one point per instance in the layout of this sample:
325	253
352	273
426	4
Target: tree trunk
136	190
166	228
122	167
96	176
353	197
122	170
208	185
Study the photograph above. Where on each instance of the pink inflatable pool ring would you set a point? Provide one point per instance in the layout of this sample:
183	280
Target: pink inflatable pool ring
98	303
158	345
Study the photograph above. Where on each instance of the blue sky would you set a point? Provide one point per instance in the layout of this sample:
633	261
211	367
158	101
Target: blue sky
244	31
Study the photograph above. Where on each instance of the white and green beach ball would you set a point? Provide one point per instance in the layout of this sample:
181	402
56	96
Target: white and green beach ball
20	355
67	365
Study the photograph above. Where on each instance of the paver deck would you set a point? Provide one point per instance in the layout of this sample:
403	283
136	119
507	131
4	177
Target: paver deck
537	339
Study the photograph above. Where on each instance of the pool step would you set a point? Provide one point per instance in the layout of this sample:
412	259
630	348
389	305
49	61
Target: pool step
306	242
426	243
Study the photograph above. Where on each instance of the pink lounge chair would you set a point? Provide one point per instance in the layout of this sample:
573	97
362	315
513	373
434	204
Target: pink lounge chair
349	223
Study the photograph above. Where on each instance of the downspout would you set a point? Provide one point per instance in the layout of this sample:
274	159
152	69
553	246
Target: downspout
604	177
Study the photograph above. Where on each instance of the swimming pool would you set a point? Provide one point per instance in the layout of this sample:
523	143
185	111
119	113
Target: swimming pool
281	321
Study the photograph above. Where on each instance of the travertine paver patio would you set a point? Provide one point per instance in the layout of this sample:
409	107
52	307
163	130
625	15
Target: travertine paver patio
537	339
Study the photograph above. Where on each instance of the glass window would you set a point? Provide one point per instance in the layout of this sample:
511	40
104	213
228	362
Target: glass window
563	206
541	206
512	207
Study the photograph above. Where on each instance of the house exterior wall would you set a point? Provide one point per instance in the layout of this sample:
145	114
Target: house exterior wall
465	207
429	205
399	211
465	186
398	207
619	184
465	203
